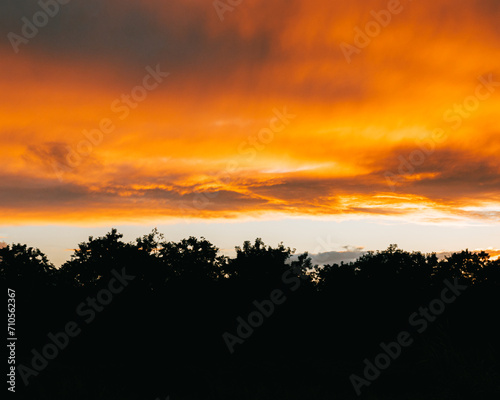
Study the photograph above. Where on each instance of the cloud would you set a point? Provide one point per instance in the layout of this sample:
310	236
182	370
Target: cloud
336	257
130	35
172	157
351	254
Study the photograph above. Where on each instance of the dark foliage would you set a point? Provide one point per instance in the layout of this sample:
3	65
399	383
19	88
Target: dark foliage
163	332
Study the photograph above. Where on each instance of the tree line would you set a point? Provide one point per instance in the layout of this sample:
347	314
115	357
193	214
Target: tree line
167	330
158	262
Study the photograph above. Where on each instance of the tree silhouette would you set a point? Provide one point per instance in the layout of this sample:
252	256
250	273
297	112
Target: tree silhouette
192	259
95	259
290	319
23	265
258	262
465	265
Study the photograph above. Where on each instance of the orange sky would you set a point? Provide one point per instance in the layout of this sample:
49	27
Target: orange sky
261	113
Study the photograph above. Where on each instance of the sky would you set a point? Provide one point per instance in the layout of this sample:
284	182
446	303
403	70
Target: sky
334	127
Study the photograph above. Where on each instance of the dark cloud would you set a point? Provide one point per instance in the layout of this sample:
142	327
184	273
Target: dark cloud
463	173
59	159
29	193
311	189
131	36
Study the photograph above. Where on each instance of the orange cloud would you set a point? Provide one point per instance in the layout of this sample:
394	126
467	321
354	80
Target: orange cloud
216	138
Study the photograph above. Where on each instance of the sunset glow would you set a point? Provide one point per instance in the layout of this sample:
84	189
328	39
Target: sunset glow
257	112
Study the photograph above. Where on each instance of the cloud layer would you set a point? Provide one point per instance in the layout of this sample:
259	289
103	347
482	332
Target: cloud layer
261	113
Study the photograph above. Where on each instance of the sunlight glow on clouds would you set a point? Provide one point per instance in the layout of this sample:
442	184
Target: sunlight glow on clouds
207	142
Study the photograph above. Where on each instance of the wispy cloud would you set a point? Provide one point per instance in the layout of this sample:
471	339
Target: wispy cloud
354	121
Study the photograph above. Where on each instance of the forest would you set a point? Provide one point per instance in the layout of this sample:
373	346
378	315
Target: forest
156	319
